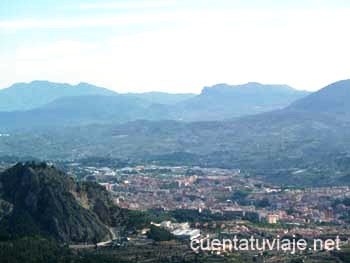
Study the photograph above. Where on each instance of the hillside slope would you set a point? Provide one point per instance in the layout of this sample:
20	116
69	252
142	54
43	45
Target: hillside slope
332	99
37	199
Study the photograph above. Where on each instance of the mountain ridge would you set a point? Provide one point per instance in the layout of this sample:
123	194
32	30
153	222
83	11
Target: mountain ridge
222	101
26	96
270	144
95	105
332	99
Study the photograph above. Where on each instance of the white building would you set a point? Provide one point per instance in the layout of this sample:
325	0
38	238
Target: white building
187	233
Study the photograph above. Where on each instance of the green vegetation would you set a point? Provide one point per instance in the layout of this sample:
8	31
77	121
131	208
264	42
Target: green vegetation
41	250
141	219
160	234
343	254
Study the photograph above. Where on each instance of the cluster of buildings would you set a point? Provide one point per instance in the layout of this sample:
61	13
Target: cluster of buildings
307	205
209	189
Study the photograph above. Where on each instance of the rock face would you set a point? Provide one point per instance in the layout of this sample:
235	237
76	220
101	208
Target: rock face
40	200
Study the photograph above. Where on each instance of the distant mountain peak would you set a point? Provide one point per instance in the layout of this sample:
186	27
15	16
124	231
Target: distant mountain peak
37	93
86	84
252	85
334	98
37	82
42	83
249	87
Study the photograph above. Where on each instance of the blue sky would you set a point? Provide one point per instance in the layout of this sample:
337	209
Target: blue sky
174	45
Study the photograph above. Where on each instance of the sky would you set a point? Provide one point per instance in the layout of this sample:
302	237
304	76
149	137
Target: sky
175	45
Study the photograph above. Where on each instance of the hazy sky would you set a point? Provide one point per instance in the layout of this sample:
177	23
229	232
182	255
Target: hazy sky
175	45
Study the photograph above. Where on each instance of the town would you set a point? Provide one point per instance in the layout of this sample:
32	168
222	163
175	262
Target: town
192	202
208	199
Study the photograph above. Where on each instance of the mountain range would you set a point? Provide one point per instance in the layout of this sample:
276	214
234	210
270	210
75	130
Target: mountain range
310	134
278	141
46	104
27	96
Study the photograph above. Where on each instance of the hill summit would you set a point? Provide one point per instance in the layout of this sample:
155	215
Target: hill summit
333	98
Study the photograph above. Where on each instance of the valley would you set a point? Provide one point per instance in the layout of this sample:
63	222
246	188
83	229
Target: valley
140	188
